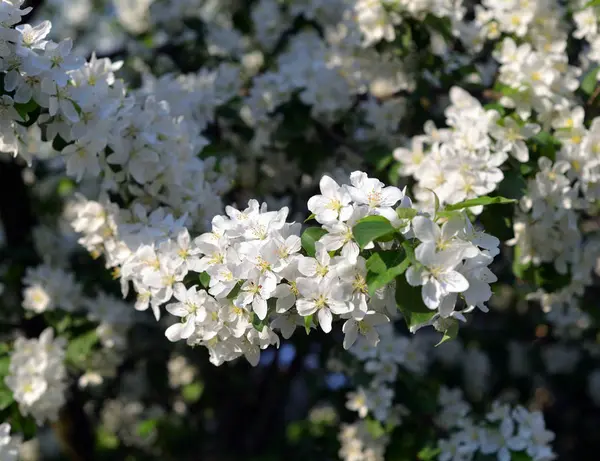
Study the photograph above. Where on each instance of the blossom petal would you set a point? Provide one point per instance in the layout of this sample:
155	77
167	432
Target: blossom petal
325	317
453	282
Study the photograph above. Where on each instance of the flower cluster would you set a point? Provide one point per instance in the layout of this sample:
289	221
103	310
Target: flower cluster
348	73
257	274
48	288
462	162
258	281
358	443
140	149
37	375
452	259
587	27
505	430
394	352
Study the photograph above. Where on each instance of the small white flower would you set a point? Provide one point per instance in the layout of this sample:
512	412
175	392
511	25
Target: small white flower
333	204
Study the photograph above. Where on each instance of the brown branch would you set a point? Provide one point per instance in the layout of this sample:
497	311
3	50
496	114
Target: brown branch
593	96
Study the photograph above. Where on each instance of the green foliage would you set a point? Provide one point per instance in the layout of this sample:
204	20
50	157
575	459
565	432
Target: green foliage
428	453
26	108
80	348
513	186
372	228
410	303
406	213
311	236
308	321
544	276
193	391
204	279
385	266
484	201
590	81
450	333
495	106
259	324
106	441
146	428
520	456
542	144
6	396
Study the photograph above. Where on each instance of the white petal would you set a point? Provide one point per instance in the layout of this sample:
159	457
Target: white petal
328	186
259	306
285	304
252	354
177	309
350	329
453	282
338	307
173	333
350	251
306	307
425	229
431	294
520	152
325	318
307	266
390	196
414	276
447	305
180	292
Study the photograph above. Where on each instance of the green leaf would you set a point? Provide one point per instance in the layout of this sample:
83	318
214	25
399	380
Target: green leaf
544	276
26	108
485	200
525	169
65	187
375	428
394	173
544	138
428	453
385	266
105	440
309	237
410	304
24	425
512	186
437	200
410	252
145	428
406	213
310	218
79	349
450	333
547	277
193	391
235	291
372	228
6	395
498	222
543	144
259	324
589	82
520	456
205	279
520	270
495	106
307	323
4	366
